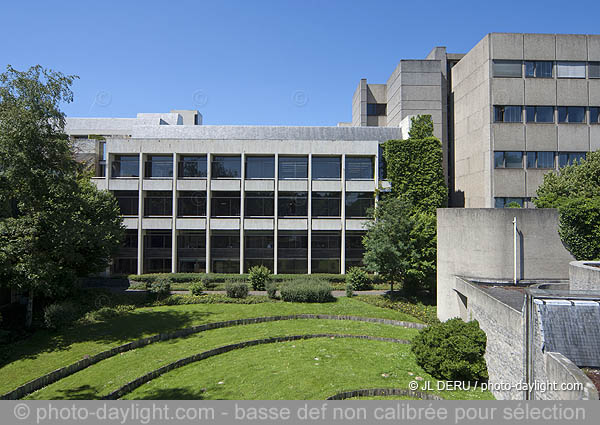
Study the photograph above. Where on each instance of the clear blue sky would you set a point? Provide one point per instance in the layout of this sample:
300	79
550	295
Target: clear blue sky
253	62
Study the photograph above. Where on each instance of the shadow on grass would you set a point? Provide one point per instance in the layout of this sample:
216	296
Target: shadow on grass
173	394
84	392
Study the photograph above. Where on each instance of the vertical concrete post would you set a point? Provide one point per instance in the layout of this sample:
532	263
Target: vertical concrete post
208	208
242	207
309	213
276	214
174	218
140	265
343	216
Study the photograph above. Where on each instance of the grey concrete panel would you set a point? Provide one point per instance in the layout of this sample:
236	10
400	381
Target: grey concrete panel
355	224
154	223
225	223
123	184
326	186
508	136
421	79
326	224
506	46
540	91
509	182
594	92
539	46
293	185
130	223
292	224
421	93
541	137
376	93
191	184
584	276
508	91
533	180
190	223
571	92
594	137
260	185
419	65
225	184
571	47
157	184
421	104
573	137
259	224
593	44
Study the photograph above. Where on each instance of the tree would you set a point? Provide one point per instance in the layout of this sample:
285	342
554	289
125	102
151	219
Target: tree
421	127
575	191
55	225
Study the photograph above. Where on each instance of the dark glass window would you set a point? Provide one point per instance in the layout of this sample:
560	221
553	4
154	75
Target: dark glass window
326	167
507	68
571	114
326	204
293	167
258	249
539	113
358	203
191	251
128	201
326	250
225	204
382	164
292	252
226	167
540	159
569	158
594	70
125	261
125	166
192	167
538	69
124	266
508	159
191	204
377	109
594	115
293	204
157	251
507	114
225	251
158	203
504	202
159	166
259	204
101	166
359	168
260	167
354	249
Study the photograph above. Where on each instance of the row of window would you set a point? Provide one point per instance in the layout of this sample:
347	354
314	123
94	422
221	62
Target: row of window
257	204
292	251
545	114
256	167
505	202
514	159
545	69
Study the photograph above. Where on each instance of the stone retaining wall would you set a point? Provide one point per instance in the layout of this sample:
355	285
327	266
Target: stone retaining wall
384	392
584	275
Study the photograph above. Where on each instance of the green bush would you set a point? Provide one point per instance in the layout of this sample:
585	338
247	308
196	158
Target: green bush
210	299
236	289
161	287
420	311
452	351
307	291
358	279
258	276
60	315
106	313
197	288
349	290
271	288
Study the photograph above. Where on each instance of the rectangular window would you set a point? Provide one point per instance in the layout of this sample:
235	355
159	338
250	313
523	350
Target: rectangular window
258	249
225	251
569	158
571	114
225	204
354	249
260	167
101	166
358	204
538	69
570	69
594	70
191	204
125	166
326	204
326	167
259	204
507	114
292	252
540	160
226	167
159	166
125	261
128	201
508	159
293	204
376	109
541	114
382	163
293	167
157	251
506	68
191	251
191	167
506	202
158	203
594	115
359	168
326	250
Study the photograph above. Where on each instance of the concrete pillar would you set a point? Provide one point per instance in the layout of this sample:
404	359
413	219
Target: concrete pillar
343	216
275	214
309	213
140	265
242	205
174	218
208	207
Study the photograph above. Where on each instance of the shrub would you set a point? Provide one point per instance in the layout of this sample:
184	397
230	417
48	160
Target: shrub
271	288
161	287
106	313
236	289
258	276
349	291
307	291
358	279
59	315
452	350
197	288
210	299
420	311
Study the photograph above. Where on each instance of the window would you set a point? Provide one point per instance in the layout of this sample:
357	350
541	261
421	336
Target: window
191	251
326	204
191	204
226	167
569	158
125	261
507	114
192	167
540	159
157	251
293	167
126	166
571	114
158	203
326	167
326	250
505	68
504	202
382	164
259	204
128	201
225	204
570	69
258	249
260	167
292	252
292	204
508	159
359	168
594	70
538	69
376	109
594	115
101	166
159	166
358	203
225	251
539	113
354	249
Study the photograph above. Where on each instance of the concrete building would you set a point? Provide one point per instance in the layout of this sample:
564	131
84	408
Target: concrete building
221	199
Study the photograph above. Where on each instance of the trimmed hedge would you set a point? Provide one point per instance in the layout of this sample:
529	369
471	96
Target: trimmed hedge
425	313
308	291
236	289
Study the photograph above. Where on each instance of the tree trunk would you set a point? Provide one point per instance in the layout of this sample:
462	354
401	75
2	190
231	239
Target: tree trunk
391	287
29	315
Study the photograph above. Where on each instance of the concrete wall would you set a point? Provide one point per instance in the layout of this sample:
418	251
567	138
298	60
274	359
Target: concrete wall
478	243
584	275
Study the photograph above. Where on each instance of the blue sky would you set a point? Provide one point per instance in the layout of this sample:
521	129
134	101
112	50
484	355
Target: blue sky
252	62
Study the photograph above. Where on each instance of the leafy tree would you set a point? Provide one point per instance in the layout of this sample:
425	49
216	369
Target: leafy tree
575	191
513	204
55	225
421	127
